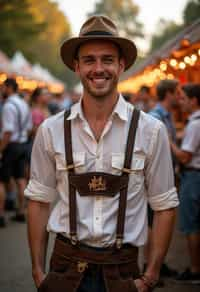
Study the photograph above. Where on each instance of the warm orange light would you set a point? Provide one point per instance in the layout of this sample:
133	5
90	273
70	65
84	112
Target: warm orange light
182	65
199	52
187	60
173	62
163	66
3	77
19	79
194	58
170	76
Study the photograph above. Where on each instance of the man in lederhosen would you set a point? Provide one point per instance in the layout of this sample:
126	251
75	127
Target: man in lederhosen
103	161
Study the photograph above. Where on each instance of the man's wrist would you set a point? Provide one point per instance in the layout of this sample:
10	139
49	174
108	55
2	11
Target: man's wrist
148	281
37	271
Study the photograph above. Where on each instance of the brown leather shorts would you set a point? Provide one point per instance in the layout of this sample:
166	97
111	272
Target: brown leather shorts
69	263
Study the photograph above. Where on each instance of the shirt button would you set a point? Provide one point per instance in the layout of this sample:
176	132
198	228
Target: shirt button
97	218
97	156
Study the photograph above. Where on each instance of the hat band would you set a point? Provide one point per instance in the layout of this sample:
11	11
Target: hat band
97	32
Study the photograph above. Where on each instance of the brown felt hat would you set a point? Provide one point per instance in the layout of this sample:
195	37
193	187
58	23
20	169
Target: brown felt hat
95	28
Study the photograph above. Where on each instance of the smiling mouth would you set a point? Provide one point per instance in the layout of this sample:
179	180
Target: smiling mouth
99	80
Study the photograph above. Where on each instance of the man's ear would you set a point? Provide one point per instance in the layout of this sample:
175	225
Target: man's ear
121	65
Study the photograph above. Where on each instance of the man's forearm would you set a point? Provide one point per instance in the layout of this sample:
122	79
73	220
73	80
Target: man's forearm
163	226
38	214
5	140
182	156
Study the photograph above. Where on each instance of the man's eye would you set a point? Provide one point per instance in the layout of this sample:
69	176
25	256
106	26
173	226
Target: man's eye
108	60
88	61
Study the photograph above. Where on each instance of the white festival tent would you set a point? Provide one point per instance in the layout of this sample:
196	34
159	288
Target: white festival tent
5	64
30	76
20	65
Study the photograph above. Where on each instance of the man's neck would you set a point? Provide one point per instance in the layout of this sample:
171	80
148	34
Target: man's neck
165	105
97	112
195	109
12	94
101	109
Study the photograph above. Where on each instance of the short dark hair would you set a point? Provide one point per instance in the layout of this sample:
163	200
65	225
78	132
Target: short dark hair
192	90
164	86
36	92
11	82
145	88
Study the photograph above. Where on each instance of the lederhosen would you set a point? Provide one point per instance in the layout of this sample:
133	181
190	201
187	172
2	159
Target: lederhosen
71	259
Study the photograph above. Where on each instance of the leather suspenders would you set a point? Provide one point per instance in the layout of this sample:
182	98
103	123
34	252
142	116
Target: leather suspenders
72	189
123	189
126	170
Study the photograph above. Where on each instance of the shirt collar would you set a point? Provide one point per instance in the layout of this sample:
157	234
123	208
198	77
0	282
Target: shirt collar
12	96
194	115
121	109
76	110
162	110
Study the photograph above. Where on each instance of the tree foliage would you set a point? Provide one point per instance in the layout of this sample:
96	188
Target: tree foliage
124	13
167	29
37	29
18	26
191	11
47	48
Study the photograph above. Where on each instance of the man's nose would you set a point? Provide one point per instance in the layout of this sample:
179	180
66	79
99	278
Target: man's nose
98	66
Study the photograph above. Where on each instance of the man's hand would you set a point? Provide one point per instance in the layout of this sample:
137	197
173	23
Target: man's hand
141	287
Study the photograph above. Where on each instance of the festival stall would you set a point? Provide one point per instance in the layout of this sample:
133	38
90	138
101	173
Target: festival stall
28	76
179	58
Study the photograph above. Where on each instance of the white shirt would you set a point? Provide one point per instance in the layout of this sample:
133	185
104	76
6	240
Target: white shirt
10	118
151	178
191	140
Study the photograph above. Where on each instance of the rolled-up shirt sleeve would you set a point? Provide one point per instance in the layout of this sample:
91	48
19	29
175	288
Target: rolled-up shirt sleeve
191	139
42	184
161	191
8	118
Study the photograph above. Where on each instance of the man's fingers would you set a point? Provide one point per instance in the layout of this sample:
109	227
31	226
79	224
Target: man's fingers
141	287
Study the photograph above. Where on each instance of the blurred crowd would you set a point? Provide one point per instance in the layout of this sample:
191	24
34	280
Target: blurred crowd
178	107
21	113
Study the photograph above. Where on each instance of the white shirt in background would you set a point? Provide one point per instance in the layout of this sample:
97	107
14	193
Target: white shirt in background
10	118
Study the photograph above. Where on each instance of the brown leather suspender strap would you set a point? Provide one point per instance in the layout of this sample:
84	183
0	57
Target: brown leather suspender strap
70	168
127	165
125	173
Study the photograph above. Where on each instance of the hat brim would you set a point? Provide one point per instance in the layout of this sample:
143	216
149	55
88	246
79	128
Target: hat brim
69	49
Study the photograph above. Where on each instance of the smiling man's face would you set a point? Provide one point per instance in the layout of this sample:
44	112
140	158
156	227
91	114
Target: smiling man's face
99	66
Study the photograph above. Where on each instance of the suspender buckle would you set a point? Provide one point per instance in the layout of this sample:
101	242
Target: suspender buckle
119	242
74	239
82	266
127	170
71	166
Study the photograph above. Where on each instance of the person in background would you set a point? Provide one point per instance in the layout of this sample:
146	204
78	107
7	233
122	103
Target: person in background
39	107
16	125
169	92
39	100
66	101
144	97
61	101
189	157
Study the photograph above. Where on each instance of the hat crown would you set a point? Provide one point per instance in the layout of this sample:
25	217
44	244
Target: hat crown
98	24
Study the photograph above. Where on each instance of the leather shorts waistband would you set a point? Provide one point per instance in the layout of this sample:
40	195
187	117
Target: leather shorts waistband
110	255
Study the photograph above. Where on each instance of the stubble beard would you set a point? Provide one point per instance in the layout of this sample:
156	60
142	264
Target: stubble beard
100	94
